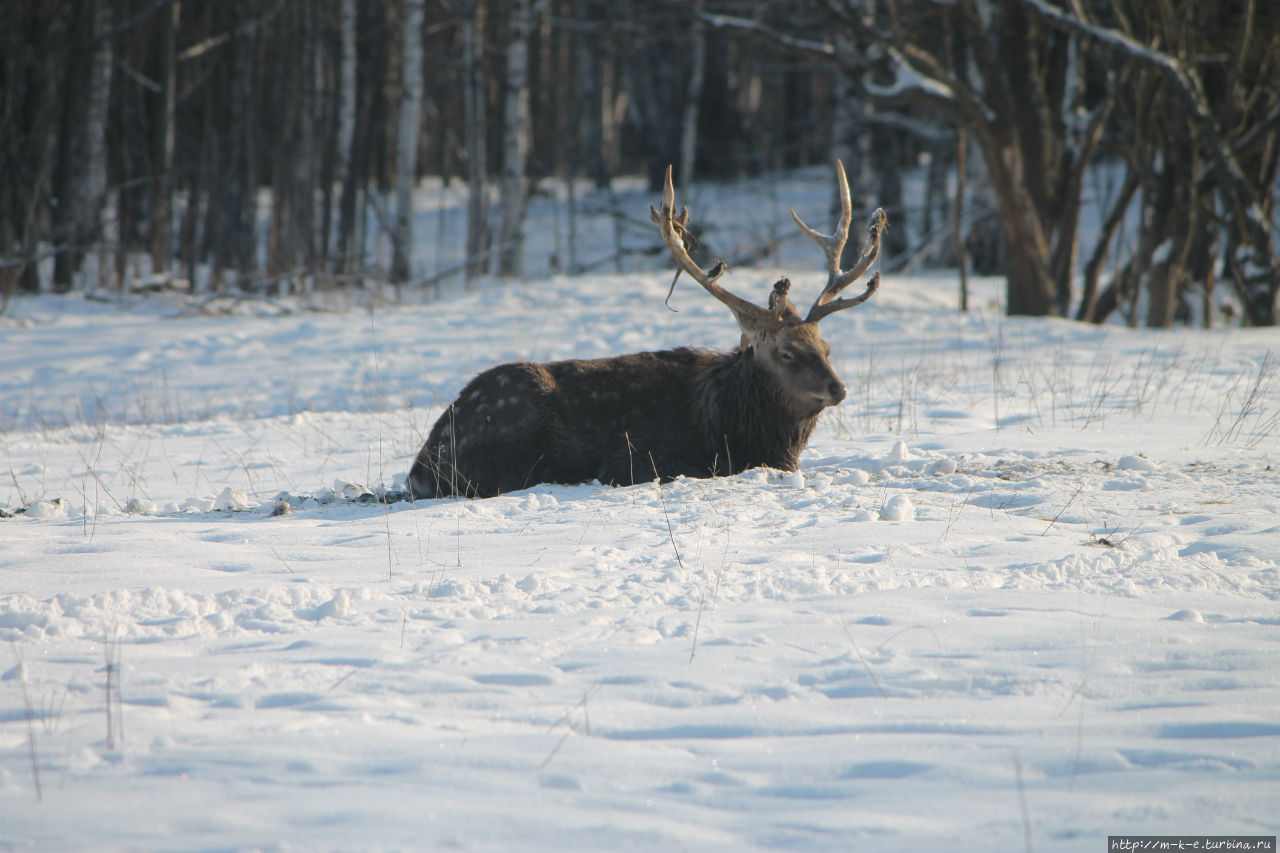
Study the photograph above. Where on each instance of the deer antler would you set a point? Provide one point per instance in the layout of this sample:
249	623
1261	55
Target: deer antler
673	230
833	246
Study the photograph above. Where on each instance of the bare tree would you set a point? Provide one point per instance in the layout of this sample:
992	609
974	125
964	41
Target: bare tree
346	132
516	131
591	118
1007	85
474	113
185	119
410	115
693	96
1203	144
165	129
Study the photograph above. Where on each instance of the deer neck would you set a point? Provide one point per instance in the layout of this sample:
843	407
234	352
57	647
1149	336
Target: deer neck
748	409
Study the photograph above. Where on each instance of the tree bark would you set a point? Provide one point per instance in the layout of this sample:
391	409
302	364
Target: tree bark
95	178
516	132
692	99
1030	289
162	183
345	168
81	173
479	238
1089	299
407	126
591	120
957	217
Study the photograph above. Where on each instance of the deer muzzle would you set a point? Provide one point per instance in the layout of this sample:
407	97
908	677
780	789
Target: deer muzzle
833	395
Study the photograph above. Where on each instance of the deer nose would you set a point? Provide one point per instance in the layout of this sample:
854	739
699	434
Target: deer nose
836	391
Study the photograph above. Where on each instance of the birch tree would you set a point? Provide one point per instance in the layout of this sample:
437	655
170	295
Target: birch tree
475	129
409	116
591	117
291	248
516	132
80	177
693	98
345	167
94	189
162	183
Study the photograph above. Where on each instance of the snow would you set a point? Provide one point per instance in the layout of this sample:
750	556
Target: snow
1026	561
906	79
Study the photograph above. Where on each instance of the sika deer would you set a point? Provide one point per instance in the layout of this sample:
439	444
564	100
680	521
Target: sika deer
627	419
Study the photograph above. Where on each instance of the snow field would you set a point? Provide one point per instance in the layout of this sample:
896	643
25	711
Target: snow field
1024	583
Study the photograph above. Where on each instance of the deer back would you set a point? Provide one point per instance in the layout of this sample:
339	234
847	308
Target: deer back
664	414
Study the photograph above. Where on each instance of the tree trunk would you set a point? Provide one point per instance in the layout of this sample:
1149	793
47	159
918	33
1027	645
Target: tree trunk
407	139
66	214
592	113
692	99
82	147
1030	288
846	109
95	177
887	169
651	73
346	135
516	130
162	184
1089	299
473	117
232	206
292	247
957	218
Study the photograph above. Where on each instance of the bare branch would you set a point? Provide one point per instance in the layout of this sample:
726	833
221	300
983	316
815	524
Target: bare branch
821	48
1185	84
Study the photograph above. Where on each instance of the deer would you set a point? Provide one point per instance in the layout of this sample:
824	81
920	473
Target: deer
635	418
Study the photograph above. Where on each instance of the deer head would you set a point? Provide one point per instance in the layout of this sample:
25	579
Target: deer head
782	343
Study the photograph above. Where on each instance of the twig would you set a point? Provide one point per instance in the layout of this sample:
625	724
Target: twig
865	664
715	595
31	729
111	654
566	721
1022	800
662	499
953	513
343	679
1079	487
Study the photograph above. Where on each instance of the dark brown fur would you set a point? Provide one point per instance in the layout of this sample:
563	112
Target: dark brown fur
624	420
682	412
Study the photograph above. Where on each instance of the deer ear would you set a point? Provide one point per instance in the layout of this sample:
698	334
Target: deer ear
757	333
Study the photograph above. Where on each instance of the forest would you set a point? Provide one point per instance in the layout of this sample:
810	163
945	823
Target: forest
254	145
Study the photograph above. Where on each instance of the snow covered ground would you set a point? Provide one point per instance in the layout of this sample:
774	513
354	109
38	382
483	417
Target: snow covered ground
1022	594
